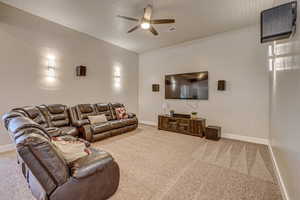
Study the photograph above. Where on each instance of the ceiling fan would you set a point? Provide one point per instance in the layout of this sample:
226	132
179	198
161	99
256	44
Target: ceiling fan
146	22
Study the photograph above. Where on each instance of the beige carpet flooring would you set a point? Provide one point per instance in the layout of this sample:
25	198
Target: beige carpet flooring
160	165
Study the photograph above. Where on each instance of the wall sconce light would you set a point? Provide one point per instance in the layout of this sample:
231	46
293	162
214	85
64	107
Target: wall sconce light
117	77
51	66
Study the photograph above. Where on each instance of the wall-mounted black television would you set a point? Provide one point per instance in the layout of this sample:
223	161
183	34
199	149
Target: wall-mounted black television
187	86
279	22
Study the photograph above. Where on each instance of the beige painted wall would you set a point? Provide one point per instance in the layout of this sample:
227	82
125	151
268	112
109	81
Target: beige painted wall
284	58
237	57
25	43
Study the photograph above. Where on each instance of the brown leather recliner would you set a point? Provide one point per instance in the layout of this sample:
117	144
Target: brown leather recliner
56	124
94	132
57	116
93	177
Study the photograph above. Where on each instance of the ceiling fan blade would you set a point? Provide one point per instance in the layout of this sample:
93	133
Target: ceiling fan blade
148	12
152	30
128	18
133	29
162	21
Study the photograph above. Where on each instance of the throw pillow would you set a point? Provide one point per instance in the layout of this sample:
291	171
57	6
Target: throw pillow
70	150
121	113
97	119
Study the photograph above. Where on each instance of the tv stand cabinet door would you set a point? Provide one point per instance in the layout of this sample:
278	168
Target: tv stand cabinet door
200	128
166	123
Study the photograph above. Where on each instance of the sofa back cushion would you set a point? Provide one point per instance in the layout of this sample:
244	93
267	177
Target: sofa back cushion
103	108
33	113
56	114
73	115
85	110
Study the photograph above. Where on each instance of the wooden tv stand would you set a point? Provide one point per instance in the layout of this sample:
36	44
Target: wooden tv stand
189	126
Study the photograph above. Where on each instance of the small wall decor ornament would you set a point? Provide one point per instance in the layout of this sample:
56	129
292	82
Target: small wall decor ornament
155	87
221	85
81	70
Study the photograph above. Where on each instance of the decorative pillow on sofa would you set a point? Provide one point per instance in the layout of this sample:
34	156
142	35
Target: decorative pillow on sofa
121	113
71	150
96	119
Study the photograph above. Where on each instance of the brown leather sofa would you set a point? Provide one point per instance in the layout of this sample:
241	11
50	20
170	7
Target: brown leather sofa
58	119
94	132
93	177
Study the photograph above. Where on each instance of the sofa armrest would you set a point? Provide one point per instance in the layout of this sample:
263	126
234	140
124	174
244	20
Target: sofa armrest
86	132
131	115
80	123
54	131
91	164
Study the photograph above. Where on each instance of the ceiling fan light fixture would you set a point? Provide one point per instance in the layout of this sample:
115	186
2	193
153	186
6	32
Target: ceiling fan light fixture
145	25
146	22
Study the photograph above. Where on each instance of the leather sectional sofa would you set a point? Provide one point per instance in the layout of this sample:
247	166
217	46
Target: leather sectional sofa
79	115
49	176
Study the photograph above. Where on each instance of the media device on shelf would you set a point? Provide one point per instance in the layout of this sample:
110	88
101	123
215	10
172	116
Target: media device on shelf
179	115
187	86
172	112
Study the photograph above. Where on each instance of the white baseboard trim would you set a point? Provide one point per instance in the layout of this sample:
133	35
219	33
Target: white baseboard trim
246	138
226	135
7	147
150	123
278	175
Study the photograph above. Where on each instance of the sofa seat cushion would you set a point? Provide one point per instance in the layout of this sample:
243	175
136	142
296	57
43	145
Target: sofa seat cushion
123	122
88	165
110	125
101	127
69	130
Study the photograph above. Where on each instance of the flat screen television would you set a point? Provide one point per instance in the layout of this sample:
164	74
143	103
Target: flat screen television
278	22
187	86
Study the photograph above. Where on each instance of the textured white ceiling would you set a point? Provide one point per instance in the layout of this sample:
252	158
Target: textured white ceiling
194	18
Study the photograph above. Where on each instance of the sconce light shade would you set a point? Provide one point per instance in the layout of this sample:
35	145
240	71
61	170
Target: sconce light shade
81	70
221	85
155	87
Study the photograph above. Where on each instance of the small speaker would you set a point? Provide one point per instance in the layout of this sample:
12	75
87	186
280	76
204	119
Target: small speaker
81	70
221	85
155	87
